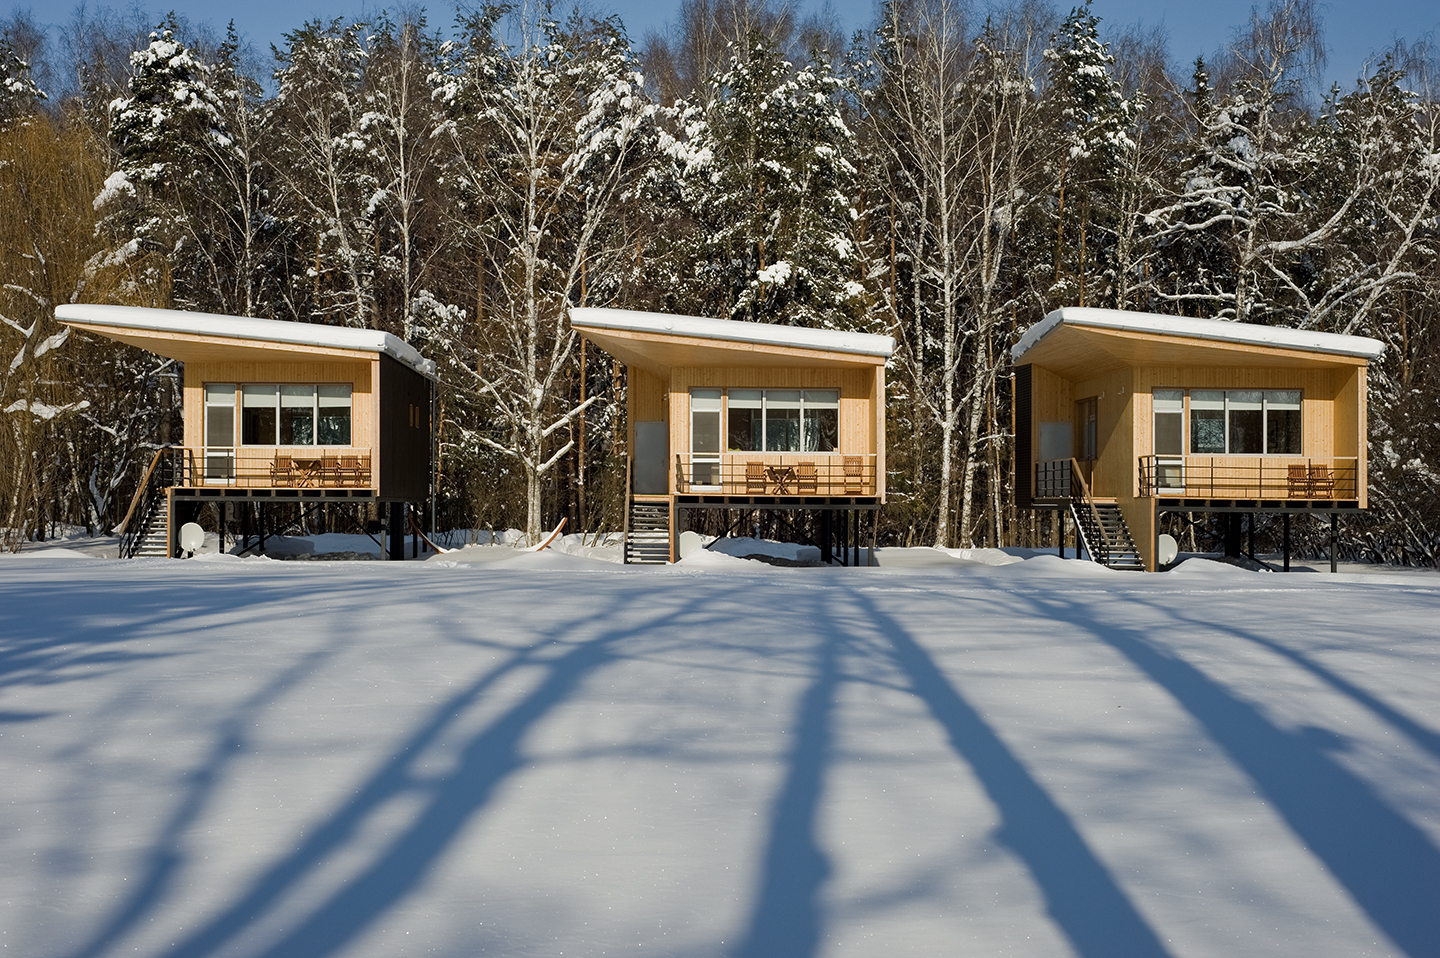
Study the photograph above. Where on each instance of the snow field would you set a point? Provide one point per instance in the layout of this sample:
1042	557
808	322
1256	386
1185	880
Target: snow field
553	755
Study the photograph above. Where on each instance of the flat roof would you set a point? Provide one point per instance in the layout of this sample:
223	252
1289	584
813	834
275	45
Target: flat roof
1214	330
733	331
245	329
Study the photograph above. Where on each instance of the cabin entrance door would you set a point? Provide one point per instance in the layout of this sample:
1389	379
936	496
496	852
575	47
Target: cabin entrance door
1087	435
218	459
705	437
652	450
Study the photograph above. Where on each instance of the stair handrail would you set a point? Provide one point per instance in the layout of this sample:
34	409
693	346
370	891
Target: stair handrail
142	489
1090	501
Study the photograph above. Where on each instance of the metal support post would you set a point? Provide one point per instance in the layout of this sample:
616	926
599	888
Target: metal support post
1286	541
1334	542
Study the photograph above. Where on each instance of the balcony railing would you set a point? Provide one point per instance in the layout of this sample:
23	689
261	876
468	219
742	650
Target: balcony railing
248	468
775	474
1223	477
1054	479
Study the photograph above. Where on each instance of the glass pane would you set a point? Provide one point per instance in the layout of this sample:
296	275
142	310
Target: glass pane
1246	437
334	425
297	426
219	465
705	399
744	433
335	395
258	395
1282	432
1282	398
220	425
297	396
1169	400
822	397
1244	398
1169	433
219	394
822	428
1207	399
705	472
705	431
782	399
257	427
1207	429
782	427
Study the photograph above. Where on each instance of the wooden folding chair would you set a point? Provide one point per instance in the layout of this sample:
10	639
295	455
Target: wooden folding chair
755	478
330	473
282	471
350	469
806	482
1322	482
854	475
1299	478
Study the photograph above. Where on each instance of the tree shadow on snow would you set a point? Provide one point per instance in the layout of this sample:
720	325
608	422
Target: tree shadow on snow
450	802
1086	903
1390	868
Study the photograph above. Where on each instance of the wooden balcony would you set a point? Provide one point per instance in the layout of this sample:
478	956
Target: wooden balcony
776	474
243	467
1290	478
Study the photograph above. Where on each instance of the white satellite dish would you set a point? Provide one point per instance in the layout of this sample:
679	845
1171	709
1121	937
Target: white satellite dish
192	537
1167	548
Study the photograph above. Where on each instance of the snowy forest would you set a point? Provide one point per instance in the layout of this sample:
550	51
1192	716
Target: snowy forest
945	177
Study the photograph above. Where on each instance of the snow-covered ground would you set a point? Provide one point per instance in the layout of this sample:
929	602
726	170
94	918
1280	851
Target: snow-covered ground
551	754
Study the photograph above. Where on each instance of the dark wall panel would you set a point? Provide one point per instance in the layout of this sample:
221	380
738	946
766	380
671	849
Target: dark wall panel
1024	468
404	432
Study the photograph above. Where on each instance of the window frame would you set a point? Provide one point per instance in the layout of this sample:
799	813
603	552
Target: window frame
802	405
315	408
1267	397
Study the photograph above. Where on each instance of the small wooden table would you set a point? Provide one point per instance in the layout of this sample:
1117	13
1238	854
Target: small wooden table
307	470
781	477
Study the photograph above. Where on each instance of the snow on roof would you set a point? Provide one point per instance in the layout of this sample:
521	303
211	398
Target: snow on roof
1214	329
798	337
248	328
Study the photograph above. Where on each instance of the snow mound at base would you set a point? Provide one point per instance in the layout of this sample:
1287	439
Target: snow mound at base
766	547
714	559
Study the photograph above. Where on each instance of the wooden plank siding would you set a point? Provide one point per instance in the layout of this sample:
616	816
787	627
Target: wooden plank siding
646	397
861	430
364	424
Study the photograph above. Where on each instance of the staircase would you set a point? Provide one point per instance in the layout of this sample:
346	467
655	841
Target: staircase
1107	540
145	530
154	538
647	535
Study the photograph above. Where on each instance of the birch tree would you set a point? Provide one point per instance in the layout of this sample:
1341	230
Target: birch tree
545	131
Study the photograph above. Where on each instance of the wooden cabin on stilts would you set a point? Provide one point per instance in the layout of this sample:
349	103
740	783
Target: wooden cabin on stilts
1122	417
277	414
747	421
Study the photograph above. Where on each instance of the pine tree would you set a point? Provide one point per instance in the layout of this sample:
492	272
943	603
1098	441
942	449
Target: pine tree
163	133
1091	160
764	167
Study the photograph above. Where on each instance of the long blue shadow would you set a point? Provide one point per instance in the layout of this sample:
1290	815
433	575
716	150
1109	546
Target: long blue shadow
1390	868
1402	723
1080	894
786	919
486	761
166	859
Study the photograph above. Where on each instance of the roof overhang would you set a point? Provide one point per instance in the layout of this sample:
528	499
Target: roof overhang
208	337
659	342
1078	342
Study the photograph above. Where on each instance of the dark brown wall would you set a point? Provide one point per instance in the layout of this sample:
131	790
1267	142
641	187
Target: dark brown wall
404	432
1024	468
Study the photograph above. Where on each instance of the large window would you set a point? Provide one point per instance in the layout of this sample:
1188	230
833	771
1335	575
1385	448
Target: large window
783	420
285	414
1247	422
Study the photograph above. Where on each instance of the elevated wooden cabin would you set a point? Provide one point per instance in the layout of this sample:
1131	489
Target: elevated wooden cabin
735	415
1139	414
282	410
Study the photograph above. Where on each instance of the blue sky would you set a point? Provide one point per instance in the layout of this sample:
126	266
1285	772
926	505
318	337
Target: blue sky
1353	31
